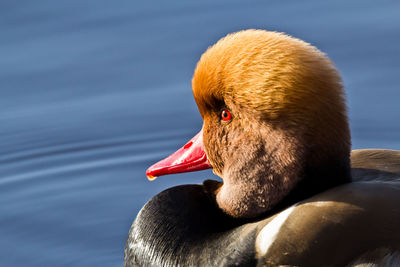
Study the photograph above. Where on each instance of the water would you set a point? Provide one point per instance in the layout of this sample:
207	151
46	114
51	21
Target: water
93	92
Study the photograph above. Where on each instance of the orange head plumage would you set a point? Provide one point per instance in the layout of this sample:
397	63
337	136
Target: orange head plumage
288	133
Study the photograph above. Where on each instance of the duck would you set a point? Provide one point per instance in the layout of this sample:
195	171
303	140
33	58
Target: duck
275	130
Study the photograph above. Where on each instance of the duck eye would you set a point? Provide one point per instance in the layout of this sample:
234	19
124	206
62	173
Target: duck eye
226	115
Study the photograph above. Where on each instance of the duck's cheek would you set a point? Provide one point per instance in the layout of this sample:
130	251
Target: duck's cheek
224	147
214	147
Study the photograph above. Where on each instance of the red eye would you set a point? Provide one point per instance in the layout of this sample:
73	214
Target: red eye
226	115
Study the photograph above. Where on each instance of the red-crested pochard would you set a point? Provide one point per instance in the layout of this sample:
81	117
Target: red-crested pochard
276	131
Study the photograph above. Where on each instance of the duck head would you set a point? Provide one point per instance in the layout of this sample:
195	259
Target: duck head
275	125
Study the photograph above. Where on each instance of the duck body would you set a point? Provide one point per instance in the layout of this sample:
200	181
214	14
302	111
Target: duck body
182	226
275	130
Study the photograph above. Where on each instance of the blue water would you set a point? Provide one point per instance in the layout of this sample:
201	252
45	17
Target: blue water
93	92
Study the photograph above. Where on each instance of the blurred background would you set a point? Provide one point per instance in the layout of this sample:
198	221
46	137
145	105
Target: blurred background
93	92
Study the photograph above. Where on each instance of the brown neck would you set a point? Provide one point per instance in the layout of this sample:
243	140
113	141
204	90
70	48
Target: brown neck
315	180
